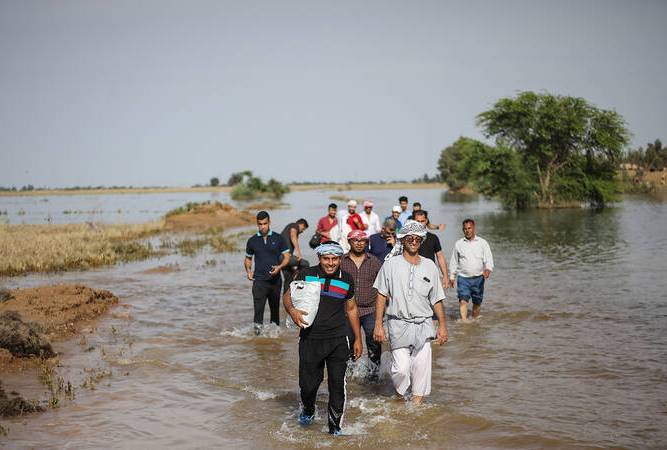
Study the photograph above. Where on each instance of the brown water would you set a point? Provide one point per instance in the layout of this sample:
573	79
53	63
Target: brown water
569	351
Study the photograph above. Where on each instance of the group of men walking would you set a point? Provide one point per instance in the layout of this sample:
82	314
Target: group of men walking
395	269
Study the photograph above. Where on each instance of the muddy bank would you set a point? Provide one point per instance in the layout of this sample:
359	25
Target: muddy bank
30	320
15	405
205	216
58	310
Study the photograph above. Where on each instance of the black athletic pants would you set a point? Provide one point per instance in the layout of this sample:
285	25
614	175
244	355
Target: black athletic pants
314	354
263	290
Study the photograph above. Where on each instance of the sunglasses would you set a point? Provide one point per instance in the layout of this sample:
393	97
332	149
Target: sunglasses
412	239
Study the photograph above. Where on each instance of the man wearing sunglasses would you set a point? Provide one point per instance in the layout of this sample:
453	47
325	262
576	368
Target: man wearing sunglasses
411	283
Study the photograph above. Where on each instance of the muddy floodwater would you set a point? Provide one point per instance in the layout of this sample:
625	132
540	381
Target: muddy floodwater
570	350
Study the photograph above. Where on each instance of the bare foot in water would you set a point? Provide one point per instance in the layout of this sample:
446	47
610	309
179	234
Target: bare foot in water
417	399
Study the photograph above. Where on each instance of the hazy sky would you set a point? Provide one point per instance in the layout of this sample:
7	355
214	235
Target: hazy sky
172	93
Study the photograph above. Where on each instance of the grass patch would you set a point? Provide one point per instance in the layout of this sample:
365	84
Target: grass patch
188	208
52	248
48	248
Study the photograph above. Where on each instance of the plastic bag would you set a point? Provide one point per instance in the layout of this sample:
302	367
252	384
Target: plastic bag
306	297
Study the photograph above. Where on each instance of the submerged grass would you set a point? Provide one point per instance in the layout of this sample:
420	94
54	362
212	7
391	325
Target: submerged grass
47	248
51	248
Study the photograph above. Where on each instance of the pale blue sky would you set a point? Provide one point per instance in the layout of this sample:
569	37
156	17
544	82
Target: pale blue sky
172	93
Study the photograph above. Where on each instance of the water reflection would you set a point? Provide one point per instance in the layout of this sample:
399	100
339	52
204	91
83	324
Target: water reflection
578	236
458	197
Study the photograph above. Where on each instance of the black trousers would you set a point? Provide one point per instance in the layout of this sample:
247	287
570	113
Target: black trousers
263	290
314	354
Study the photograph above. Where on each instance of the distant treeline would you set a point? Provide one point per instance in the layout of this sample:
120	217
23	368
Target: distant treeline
30	187
651	158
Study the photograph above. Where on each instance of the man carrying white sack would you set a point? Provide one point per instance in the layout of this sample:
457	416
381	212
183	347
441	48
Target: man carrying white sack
323	339
414	290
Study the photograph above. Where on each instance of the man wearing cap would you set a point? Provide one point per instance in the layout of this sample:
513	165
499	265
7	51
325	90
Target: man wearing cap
395	214
411	283
370	218
352	218
364	269
325	341
349	220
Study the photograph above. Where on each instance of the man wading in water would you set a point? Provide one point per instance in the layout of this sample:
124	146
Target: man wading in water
271	255
470	266
364	268
411	282
325	342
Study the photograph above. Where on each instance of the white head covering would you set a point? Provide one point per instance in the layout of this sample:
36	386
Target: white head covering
411	228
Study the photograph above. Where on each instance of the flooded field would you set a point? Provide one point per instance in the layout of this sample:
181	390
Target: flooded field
569	351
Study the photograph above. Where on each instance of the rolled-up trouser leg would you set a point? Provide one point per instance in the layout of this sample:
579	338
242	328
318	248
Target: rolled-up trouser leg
336	368
400	369
311	372
420	370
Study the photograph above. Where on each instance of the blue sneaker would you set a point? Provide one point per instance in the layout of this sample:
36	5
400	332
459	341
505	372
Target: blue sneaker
336	432
305	419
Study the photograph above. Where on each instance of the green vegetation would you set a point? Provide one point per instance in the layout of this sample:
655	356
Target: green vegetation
246	186
188	207
653	157
215	181
550	151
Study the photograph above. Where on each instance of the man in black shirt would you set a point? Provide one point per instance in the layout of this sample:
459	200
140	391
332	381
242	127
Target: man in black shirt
271	255
430	248
291	234
325	342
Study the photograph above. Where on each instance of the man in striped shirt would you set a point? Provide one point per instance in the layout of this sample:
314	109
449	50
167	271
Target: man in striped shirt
323	339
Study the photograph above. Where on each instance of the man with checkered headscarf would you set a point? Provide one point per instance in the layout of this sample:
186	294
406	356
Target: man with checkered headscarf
408	286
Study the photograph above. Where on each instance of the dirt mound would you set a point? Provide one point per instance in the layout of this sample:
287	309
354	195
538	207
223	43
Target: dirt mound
203	216
59	310
16	405
22	339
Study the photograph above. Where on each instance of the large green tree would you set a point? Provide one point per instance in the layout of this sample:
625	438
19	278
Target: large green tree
568	149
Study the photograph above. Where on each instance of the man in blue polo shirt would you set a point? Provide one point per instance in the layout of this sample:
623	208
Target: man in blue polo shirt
271	255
